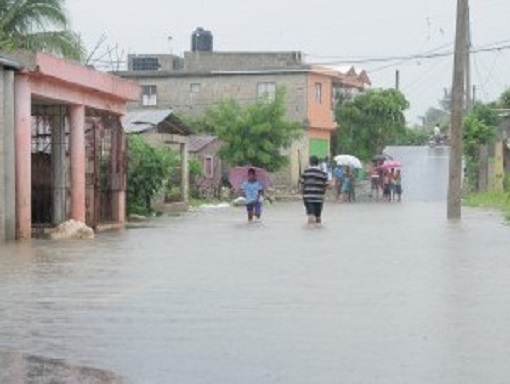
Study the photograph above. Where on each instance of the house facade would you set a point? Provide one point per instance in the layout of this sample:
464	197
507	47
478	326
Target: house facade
65	155
196	82
204	149
8	69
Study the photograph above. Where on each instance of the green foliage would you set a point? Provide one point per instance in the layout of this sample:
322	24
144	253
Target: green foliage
439	115
504	100
38	25
149	169
371	121
195	168
479	129
197	124
255	134
436	116
491	199
413	137
195	173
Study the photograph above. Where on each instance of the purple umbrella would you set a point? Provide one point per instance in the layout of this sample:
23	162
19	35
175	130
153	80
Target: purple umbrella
391	164
239	175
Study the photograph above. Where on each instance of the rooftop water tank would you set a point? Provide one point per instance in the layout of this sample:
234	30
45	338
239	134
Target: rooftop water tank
201	41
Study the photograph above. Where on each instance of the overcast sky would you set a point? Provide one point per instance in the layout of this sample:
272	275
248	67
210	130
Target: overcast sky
325	30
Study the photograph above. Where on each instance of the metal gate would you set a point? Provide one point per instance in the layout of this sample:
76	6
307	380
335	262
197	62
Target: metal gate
49	133
105	167
105	150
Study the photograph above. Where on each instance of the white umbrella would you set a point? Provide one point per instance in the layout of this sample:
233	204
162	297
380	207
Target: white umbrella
348	161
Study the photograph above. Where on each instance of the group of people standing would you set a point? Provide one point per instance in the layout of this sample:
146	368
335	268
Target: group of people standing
387	181
342	178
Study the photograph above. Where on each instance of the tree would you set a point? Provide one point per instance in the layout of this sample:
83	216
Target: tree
39	25
371	121
149	168
479	129
439	116
255	134
435	116
504	100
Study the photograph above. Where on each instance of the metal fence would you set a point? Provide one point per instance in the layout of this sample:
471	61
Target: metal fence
105	150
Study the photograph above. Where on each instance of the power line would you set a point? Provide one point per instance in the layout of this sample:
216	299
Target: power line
479	75
403	61
422	56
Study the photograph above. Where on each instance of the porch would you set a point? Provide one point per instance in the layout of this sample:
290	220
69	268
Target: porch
70	146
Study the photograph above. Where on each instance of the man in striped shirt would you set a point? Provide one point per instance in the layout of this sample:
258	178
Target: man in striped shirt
314	182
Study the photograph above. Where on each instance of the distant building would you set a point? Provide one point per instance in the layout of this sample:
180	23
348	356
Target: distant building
162	127
194	83
204	148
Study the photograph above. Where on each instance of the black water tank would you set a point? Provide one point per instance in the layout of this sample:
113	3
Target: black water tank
201	40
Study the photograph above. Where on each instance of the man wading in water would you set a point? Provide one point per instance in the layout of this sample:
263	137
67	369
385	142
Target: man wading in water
314	182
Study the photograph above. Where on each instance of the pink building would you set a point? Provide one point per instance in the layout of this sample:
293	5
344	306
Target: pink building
69	144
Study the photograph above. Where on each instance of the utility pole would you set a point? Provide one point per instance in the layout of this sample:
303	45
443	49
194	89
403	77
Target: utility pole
469	98
397	80
454	210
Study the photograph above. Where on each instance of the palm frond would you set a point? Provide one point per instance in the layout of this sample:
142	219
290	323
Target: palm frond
38	25
62	43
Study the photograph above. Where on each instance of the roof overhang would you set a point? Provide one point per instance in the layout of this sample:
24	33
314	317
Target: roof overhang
9	63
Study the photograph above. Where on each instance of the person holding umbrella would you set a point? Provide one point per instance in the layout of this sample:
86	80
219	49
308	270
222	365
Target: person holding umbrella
314	182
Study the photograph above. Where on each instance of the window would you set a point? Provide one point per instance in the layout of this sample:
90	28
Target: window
336	95
318	93
149	95
266	91
145	63
195	88
209	166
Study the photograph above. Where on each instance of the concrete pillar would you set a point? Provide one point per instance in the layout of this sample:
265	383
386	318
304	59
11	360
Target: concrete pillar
23	137
77	155
119	175
184	172
483	170
59	171
3	201
10	157
499	166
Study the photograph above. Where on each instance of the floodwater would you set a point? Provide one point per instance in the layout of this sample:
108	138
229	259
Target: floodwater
382	293
425	172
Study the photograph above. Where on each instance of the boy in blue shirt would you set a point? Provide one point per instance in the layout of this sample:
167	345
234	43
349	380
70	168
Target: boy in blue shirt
253	191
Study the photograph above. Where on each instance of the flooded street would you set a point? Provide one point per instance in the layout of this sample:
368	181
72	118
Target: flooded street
383	293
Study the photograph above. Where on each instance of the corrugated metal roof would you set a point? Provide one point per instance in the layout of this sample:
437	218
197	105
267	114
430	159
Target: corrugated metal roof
197	142
144	120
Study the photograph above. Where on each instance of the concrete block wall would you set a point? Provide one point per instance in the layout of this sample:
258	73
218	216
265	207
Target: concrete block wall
175	92
238	61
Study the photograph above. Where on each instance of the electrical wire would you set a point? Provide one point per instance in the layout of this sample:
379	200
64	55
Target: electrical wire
504	45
